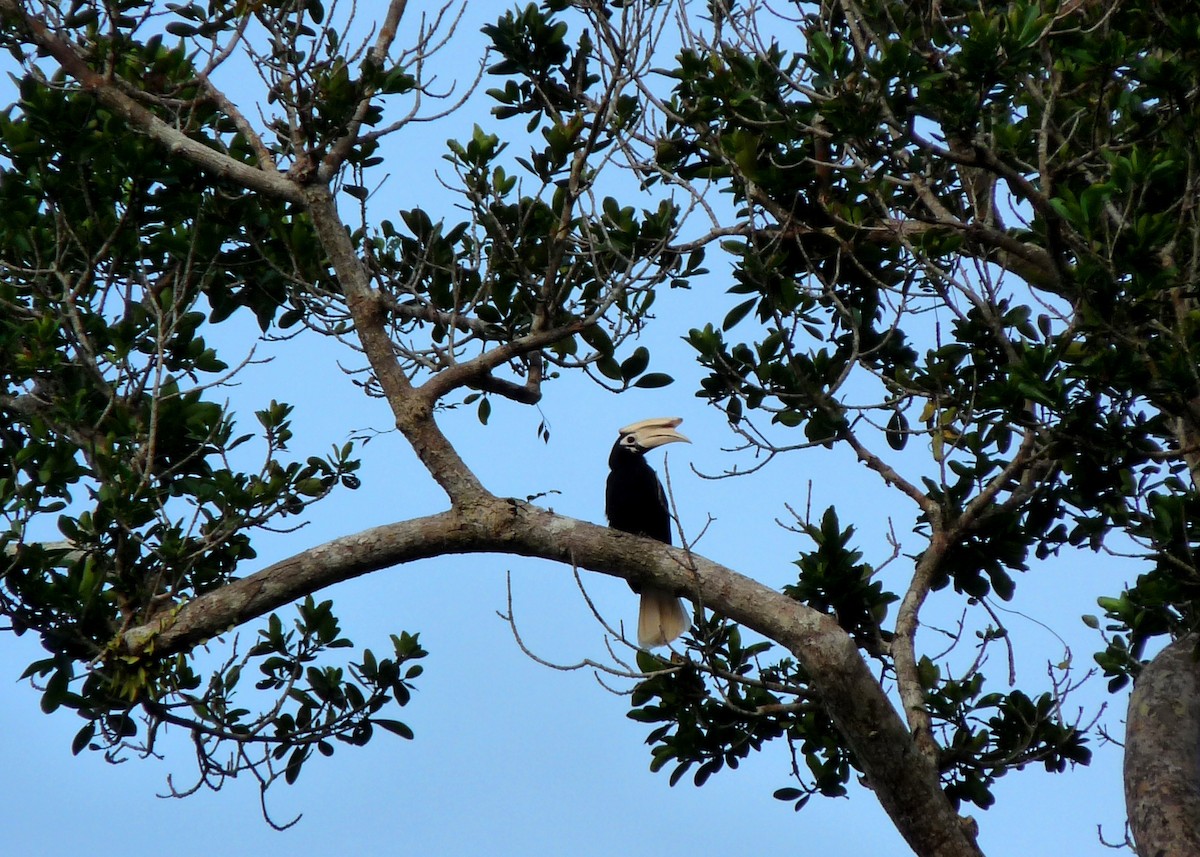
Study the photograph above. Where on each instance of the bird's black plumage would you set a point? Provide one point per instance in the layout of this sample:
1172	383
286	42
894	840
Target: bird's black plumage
634	500
635	503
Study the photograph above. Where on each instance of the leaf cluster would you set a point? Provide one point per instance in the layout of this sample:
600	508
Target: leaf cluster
118	261
716	710
972	229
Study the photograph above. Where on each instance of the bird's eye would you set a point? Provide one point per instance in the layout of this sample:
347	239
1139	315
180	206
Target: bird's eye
629	440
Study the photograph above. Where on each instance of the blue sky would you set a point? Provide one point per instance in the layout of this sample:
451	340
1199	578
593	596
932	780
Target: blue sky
510	757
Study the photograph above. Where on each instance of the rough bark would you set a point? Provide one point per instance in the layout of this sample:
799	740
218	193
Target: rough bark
1162	754
905	782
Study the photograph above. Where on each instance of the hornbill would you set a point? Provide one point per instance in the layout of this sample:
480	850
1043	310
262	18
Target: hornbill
635	502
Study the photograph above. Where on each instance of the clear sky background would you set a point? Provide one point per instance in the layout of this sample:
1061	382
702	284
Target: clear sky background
511	757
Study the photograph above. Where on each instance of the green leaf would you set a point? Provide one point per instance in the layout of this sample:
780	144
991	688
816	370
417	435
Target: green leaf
598	338
395	727
635	364
928	673
897	431
82	737
310	487
648	662
653	380
609	368
294	764
738	313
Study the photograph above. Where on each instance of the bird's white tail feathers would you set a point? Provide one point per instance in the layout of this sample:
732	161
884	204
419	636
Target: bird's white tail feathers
661	618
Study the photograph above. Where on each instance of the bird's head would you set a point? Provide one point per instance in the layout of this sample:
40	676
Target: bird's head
647	434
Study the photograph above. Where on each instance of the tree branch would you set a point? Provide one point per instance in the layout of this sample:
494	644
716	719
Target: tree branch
212	614
473	371
904	642
906	782
413	413
176	142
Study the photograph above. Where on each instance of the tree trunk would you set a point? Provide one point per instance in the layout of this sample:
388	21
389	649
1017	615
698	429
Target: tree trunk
1162	754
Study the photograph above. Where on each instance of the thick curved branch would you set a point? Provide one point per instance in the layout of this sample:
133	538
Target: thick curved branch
212	614
905	781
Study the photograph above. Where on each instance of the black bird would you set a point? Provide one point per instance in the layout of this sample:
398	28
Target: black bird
635	502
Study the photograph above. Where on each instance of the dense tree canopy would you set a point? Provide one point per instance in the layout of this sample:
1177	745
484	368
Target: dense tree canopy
959	243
